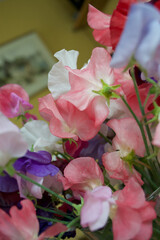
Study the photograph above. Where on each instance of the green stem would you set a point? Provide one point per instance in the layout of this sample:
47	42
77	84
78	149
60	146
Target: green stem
139	124
147	177
46	189
141	107
55	211
72	223
52	220
156	192
105	138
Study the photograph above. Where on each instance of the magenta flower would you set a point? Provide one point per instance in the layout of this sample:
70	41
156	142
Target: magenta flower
14	100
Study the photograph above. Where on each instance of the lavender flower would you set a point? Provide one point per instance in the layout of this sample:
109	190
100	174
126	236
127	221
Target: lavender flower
141	38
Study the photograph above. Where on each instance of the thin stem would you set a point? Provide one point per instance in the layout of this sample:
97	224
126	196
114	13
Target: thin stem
156	192
52	220
141	107
72	223
139	124
147	177
46	189
55	211
105	138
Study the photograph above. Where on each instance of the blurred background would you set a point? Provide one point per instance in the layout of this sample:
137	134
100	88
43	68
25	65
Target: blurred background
58	24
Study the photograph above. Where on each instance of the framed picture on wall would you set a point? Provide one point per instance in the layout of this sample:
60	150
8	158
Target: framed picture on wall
25	61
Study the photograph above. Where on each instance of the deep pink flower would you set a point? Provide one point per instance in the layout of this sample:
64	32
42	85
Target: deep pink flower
108	28
100	22
14	100
23	224
133	215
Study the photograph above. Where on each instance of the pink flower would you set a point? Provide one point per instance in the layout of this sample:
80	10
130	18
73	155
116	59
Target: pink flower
156	138
100	22
82	174
12	144
65	120
86	82
126	145
133	215
14	100
108	28
96	208
23	224
130	95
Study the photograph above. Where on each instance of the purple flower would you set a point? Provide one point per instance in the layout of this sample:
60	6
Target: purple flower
141	39
38	167
8	184
36	163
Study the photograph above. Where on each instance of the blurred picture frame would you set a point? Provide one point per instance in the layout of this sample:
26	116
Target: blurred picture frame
26	61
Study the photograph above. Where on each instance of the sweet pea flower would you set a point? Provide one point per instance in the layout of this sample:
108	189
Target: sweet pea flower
156	139
87	82
58	79
125	146
23	224
12	144
38	136
137	39
82	174
100	22
132	215
14	100
37	166
108	28
8	184
96	208
130	95
65	120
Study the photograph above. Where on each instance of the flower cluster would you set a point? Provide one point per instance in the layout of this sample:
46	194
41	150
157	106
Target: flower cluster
93	163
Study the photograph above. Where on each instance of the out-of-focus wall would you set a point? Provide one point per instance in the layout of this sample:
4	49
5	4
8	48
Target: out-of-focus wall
53	20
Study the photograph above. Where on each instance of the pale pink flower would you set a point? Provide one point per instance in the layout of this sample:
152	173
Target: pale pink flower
65	120
12	144
82	174
96	208
27	188
128	140
14	100
133	215
23	224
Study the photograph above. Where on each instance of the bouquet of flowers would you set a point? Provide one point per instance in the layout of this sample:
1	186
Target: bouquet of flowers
93	163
